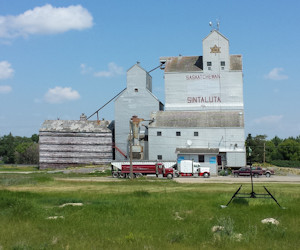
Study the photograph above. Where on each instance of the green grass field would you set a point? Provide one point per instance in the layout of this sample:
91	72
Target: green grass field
142	214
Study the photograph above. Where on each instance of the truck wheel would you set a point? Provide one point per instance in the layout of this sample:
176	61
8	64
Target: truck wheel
170	176
115	175
236	175
268	175
122	175
139	175
205	175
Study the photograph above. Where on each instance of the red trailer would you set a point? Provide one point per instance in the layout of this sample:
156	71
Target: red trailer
122	170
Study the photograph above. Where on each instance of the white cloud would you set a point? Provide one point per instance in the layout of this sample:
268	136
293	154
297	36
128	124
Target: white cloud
85	69
4	89
113	70
60	95
6	71
45	20
275	74
271	119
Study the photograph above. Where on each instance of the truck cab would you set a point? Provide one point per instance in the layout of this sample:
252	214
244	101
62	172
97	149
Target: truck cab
191	168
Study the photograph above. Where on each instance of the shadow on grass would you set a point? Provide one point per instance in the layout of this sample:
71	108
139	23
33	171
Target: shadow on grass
241	201
141	193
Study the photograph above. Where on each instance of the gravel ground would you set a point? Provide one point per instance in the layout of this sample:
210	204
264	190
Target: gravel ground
231	179
289	177
214	179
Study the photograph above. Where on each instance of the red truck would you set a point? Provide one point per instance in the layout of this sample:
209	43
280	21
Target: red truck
246	171
267	172
139	169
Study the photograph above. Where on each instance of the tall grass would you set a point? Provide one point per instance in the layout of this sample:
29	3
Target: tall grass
146	215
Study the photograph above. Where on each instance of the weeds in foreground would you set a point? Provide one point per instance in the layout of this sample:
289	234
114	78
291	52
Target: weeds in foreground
144	217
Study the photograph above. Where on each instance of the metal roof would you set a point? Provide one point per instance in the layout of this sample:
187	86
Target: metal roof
198	119
197	151
195	63
183	64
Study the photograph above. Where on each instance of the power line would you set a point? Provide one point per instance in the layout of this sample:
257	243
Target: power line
105	104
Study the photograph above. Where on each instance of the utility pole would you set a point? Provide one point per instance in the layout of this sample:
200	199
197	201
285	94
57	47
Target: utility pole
264	152
130	148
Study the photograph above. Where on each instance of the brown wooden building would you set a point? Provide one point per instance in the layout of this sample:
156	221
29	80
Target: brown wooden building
66	143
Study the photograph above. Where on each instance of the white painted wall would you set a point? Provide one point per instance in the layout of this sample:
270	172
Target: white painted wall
226	139
210	89
131	102
204	91
218	40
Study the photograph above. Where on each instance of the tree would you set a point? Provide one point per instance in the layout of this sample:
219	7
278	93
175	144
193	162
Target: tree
257	145
276	140
290	150
19	149
27	153
271	151
7	149
35	138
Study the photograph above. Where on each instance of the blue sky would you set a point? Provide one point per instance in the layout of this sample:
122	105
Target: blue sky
61	58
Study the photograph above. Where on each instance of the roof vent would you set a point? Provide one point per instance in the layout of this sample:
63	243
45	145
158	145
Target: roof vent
83	117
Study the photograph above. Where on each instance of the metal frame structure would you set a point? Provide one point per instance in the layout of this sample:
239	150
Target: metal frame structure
252	194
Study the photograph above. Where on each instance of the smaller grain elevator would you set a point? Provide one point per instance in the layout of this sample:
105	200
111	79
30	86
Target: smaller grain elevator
136	100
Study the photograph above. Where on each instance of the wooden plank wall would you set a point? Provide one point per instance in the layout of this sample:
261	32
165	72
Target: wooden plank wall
63	149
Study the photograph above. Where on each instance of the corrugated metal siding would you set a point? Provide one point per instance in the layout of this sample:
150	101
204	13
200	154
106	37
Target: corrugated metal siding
204	91
203	83
225	139
236	62
197	151
236	159
141	103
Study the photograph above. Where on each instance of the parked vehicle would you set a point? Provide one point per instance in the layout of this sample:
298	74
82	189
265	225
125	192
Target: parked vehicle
246	171
267	172
139	169
191	168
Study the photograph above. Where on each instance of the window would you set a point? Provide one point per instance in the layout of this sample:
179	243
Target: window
136	90
159	157
222	65
196	133
209	65
178	133
158	133
200	158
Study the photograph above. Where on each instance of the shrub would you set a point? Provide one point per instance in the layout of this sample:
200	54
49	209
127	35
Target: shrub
287	164
225	172
27	153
